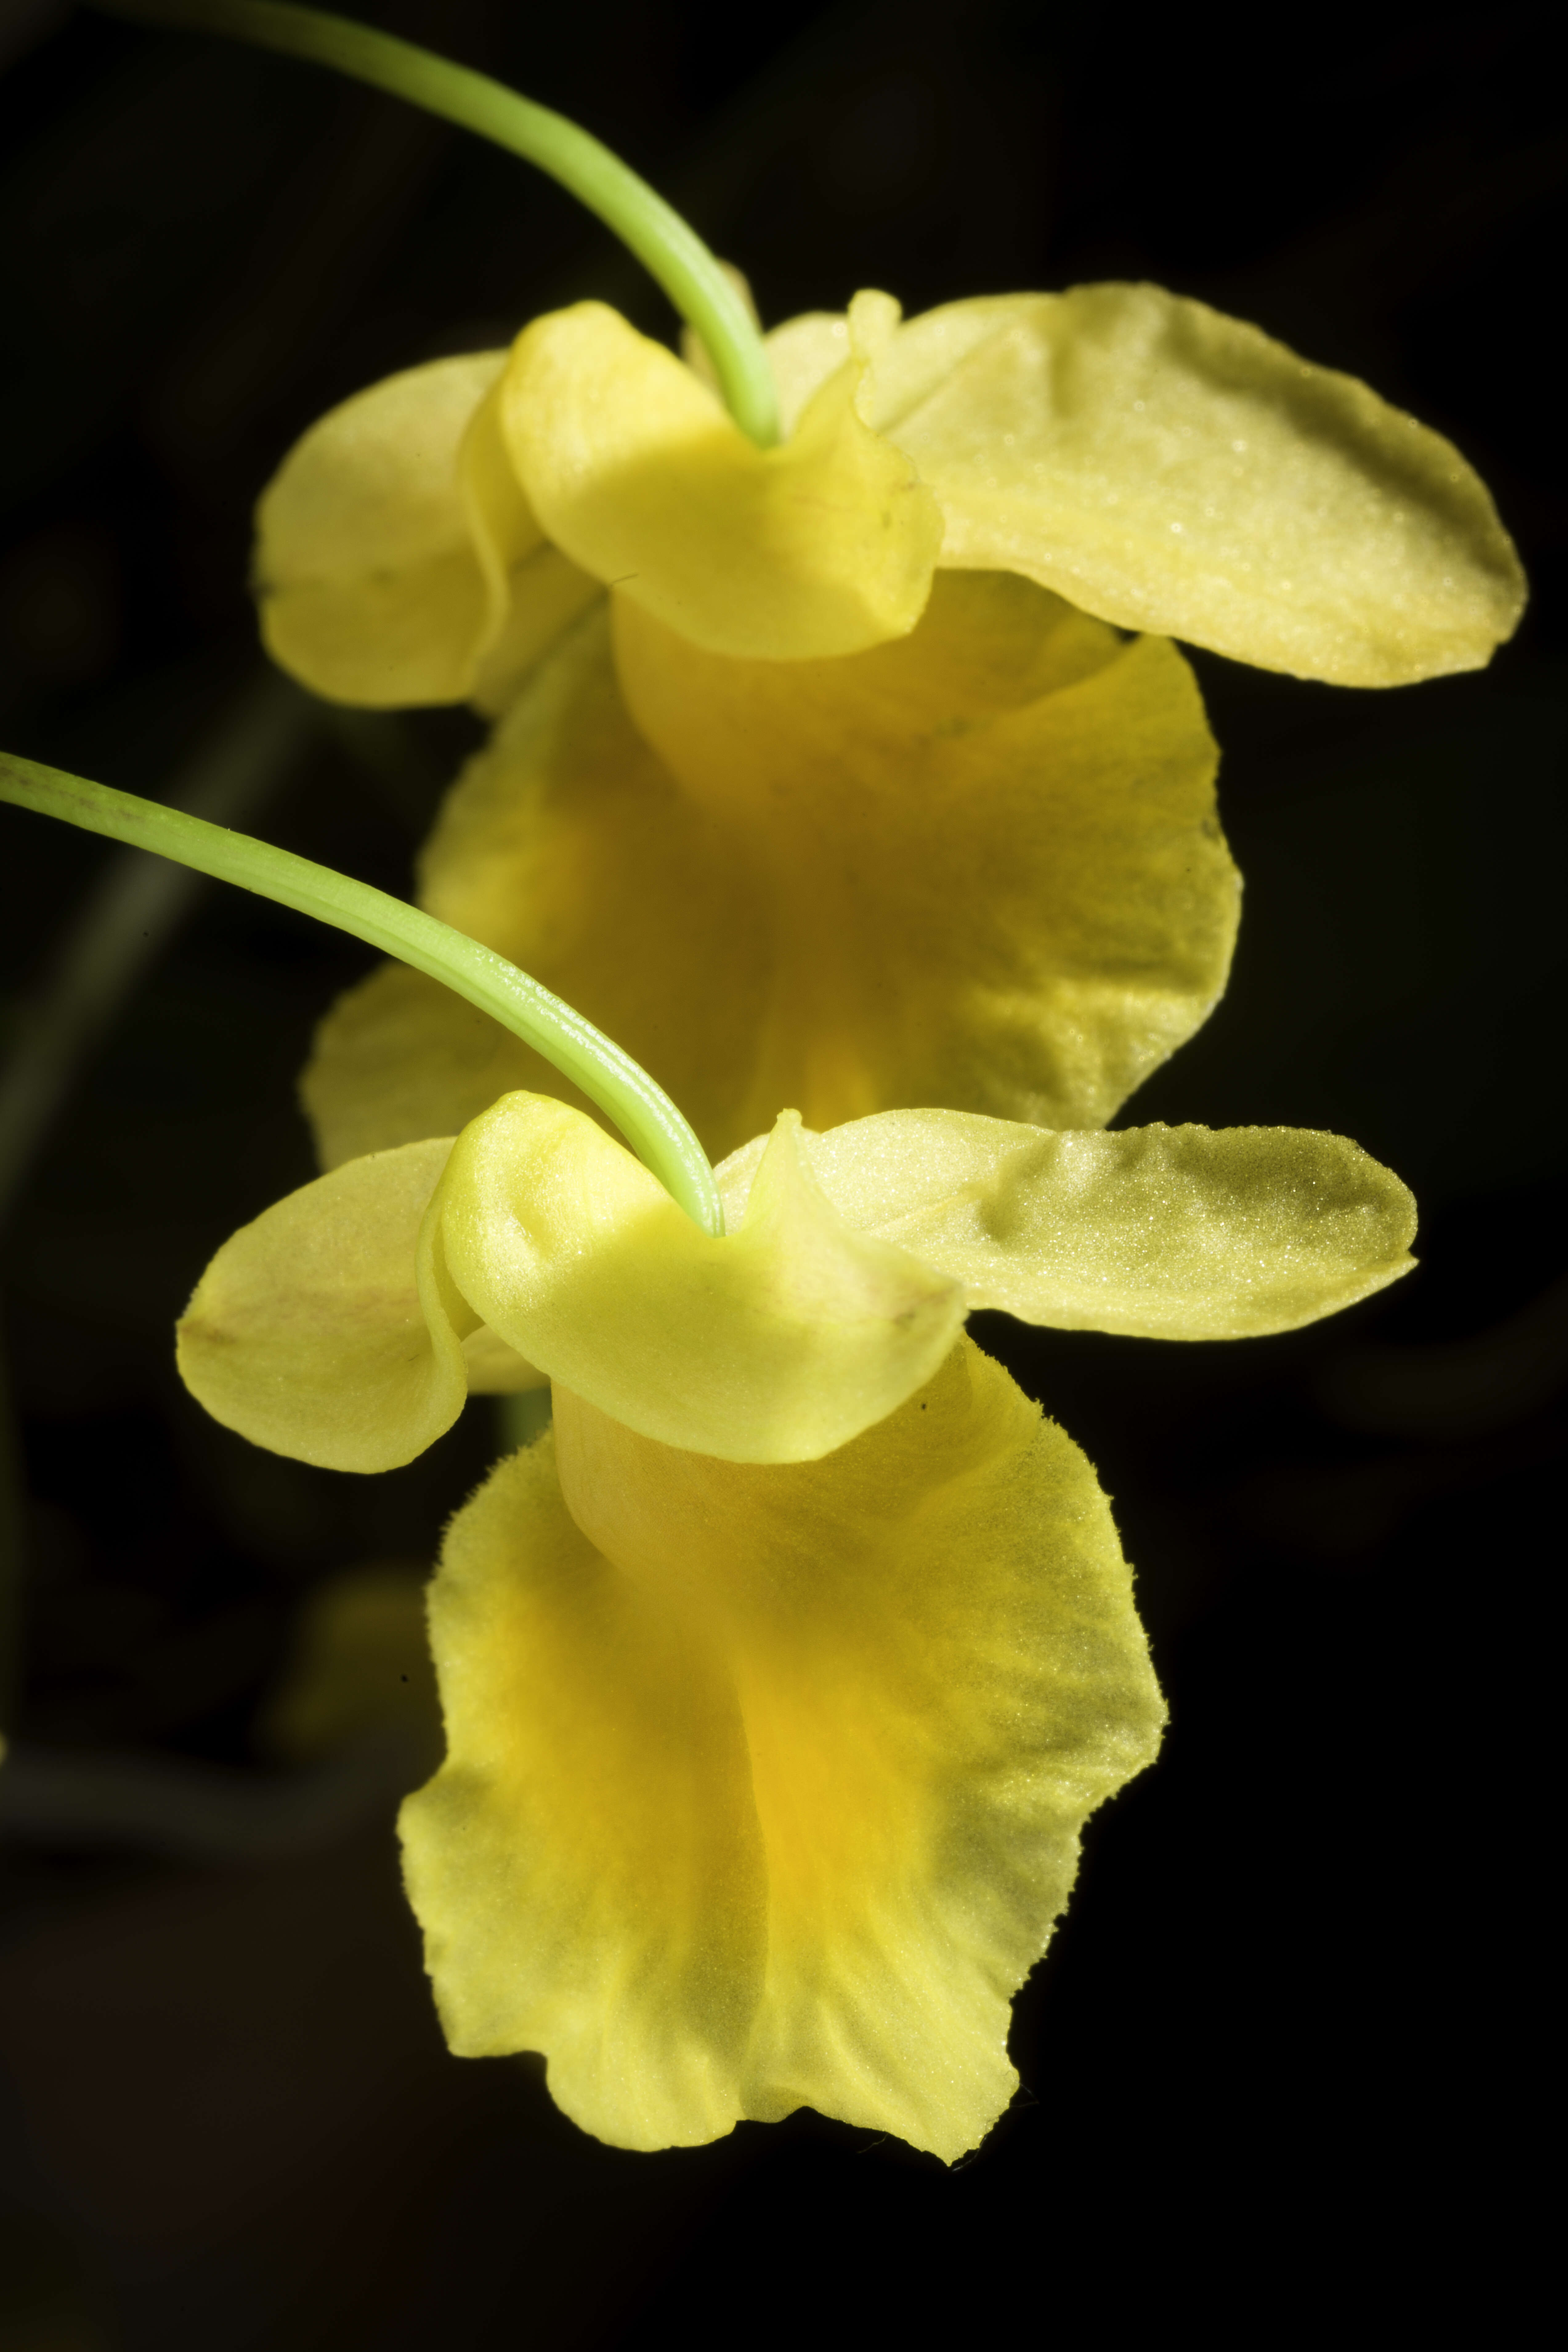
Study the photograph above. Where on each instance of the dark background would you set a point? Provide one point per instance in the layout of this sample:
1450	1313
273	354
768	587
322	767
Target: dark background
1272	2050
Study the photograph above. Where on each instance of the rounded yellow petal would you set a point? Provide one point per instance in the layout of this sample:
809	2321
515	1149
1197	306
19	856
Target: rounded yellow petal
318	1332
765	1785
980	866
371	590
1162	1233
820	547
774	1344
1171	468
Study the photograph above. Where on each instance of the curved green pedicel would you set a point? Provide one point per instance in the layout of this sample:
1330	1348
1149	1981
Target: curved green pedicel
671	252
622	1089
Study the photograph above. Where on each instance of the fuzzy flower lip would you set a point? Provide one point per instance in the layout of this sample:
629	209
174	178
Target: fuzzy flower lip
334	1329
1159	465
765	1783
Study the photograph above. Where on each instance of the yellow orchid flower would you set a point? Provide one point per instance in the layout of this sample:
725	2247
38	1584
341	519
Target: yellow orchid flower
979	864
779	1681
835	798
1162	466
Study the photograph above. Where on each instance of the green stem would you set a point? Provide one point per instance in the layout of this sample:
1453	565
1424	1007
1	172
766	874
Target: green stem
623	1092
671	252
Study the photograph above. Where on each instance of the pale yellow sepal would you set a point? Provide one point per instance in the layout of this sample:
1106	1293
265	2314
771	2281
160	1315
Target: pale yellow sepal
1171	468
1160	1233
820	547
371	588
320	1330
397	559
981	865
334	1329
765	1784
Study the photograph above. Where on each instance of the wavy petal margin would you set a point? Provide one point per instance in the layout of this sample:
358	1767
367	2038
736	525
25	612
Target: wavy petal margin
765	1785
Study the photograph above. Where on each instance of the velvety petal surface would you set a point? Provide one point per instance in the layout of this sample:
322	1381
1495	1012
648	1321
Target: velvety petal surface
774	1344
821	546
312	1331
1162	1233
1174	469
764	1784
980	867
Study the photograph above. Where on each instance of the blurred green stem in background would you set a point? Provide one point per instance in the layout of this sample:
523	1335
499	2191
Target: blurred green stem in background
671	252
621	1088
12	1559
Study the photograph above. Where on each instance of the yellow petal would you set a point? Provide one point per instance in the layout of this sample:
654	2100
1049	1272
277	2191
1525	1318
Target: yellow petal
980	866
776	1344
322	1331
820	547
1164	1233
397	558
371	588
765	1785
997	877
803	353
1171	468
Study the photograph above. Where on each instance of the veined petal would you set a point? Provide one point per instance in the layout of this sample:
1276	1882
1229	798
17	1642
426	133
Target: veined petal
1171	468
1162	1233
322	1331
764	1784
774	1344
371	590
819	547
979	866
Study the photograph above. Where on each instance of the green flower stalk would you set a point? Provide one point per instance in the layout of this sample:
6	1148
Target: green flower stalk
673	254
626	1095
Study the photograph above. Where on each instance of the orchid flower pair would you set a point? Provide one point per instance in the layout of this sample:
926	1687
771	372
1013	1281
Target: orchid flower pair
781	1676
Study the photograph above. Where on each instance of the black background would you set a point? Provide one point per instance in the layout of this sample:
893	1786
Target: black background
1271	2055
